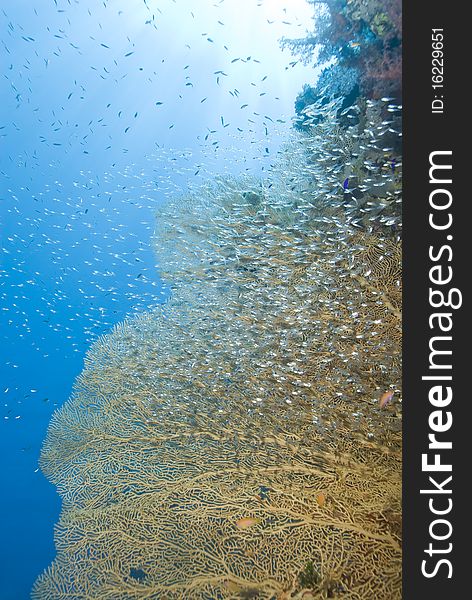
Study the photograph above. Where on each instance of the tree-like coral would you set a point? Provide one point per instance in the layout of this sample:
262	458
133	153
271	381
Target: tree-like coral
364	36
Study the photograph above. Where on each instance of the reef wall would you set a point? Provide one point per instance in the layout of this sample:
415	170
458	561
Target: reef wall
231	444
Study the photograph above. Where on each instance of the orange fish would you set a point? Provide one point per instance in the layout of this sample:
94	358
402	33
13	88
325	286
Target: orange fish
321	499
386	398
247	522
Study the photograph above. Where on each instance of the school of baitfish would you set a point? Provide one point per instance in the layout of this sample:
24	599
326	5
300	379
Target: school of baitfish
84	222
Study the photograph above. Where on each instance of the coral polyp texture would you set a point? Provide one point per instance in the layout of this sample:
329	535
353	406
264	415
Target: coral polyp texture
231	444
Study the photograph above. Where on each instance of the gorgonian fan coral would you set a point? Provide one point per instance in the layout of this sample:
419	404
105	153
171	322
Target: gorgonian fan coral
231	445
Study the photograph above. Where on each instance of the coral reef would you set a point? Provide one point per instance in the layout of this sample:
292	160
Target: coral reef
230	444
157	464
362	37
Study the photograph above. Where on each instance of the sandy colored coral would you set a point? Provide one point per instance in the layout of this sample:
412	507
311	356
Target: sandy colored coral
253	394
155	476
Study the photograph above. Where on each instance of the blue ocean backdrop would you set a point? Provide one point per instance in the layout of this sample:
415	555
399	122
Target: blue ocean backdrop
110	110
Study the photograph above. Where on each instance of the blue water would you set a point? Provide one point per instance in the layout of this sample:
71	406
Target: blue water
88	153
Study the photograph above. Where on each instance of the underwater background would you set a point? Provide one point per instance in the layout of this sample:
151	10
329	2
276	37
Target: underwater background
201	248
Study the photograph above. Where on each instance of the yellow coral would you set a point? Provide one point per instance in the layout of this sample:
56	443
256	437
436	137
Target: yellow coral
253	394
